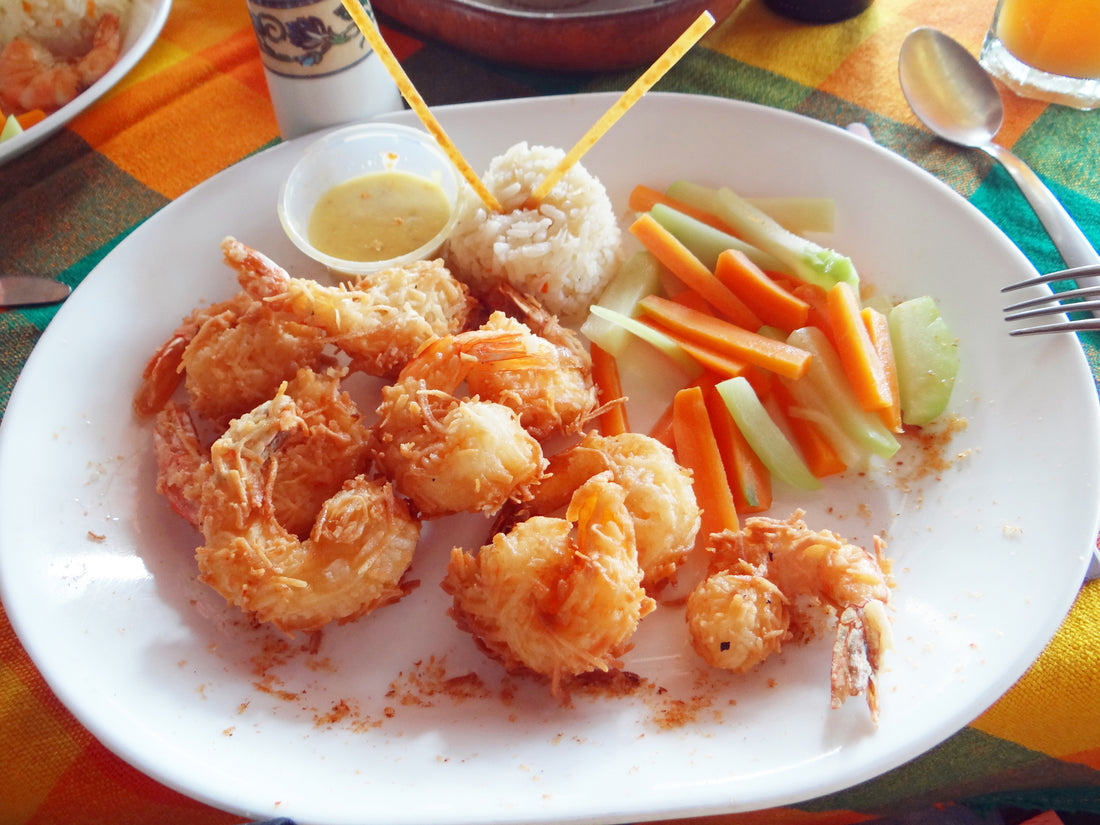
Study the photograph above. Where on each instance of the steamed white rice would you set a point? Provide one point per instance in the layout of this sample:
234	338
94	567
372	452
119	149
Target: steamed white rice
563	253
65	27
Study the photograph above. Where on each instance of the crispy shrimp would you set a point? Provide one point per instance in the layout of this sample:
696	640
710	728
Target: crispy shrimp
164	370
561	399
314	462
787	572
353	562
32	77
449	454
379	320
659	495
231	356
560	597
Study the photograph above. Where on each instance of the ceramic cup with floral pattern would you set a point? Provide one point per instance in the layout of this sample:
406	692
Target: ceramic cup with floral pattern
320	69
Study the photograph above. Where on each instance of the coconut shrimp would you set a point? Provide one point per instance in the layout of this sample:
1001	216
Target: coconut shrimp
314	462
560	396
557	596
449	454
32	77
379	320
231	357
659	495
787	570
361	545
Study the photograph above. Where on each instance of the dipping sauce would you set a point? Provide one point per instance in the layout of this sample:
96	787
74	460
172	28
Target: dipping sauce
378	216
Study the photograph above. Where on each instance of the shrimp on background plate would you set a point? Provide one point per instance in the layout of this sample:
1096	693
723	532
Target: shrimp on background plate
450	454
659	496
557	596
378	320
802	570
360	547
33	77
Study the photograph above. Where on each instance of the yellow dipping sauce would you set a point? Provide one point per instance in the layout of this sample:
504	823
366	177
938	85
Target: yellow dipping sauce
378	216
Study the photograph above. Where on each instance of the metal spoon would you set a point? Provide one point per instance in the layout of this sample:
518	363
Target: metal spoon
951	94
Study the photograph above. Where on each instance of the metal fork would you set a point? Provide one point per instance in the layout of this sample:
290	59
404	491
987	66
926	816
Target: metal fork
1085	298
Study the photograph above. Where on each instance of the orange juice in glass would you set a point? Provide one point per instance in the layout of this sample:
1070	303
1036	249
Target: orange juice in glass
1047	49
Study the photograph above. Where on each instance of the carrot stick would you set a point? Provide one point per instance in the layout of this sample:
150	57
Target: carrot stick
773	304
861	361
643	198
819	455
28	119
609	392
878	328
684	265
751	483
686	324
697	449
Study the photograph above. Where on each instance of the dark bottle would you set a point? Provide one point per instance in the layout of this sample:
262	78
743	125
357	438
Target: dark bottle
818	11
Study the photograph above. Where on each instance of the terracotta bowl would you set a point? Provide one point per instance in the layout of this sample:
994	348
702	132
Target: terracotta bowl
566	35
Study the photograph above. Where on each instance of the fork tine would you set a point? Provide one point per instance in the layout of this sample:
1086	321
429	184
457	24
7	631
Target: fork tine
1080	306
1060	275
1085	292
1081	325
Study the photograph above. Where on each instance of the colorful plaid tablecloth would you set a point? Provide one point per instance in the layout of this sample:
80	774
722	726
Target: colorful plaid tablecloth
198	103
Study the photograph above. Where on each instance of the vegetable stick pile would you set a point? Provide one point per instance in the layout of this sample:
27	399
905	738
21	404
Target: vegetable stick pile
793	374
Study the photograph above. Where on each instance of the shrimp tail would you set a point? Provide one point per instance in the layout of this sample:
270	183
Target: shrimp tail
862	637
257	274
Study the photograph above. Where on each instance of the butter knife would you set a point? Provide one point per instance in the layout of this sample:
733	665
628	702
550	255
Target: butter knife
30	290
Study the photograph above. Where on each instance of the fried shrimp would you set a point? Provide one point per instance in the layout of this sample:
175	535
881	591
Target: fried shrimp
314	461
737	620
379	320
559	597
778	574
230	356
360	547
560	396
164	370
449	454
659	495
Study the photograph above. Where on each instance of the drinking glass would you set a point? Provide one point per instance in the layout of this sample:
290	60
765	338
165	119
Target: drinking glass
319	68
1046	49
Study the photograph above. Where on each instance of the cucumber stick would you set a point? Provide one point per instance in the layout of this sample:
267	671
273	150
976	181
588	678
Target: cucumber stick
764	435
640	275
927	359
824	396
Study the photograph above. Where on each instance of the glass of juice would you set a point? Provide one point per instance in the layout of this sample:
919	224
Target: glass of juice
1046	49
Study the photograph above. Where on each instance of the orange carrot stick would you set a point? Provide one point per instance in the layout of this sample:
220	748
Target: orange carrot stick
643	198
773	304
861	361
28	119
686	324
697	449
750	481
667	248
819	455
878	329
609	392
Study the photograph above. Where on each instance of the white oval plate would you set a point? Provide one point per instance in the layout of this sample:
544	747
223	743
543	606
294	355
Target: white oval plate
99	580
146	21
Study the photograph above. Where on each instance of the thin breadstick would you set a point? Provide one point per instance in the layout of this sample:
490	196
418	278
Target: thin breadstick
631	96
413	98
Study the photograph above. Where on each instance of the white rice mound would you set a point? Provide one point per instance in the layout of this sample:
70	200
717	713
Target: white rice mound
63	26
563	253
